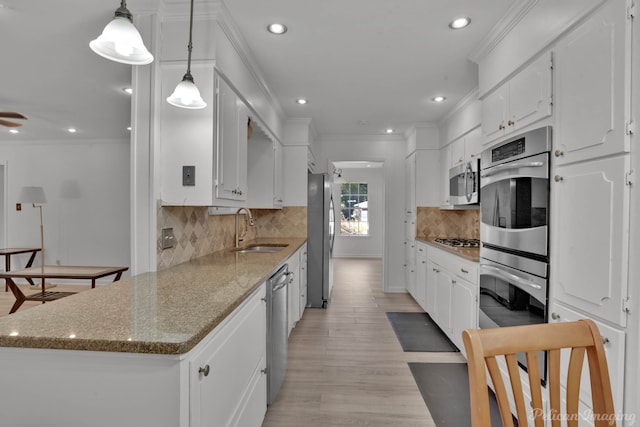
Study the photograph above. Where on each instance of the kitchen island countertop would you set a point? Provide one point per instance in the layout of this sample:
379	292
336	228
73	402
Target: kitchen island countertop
164	312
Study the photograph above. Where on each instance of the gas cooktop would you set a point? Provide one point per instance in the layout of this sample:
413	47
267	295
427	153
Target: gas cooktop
459	242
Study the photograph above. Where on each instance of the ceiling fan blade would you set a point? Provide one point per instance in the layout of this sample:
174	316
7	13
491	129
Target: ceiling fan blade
10	124
12	115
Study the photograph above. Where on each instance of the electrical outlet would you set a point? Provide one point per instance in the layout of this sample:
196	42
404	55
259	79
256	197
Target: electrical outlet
188	175
168	238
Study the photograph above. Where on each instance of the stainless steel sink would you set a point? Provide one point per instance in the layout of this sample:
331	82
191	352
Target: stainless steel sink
263	248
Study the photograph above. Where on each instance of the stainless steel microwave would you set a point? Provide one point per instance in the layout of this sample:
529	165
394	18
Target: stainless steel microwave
464	184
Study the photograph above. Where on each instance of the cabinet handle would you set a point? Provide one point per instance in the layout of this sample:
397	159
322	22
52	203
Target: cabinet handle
436	270
555	316
464	271
453	282
558	178
421	250
264	371
263	299
501	127
204	371
511	123
558	153
424	262
605	340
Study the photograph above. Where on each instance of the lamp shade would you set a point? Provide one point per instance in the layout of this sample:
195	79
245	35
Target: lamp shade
33	195
187	95
121	42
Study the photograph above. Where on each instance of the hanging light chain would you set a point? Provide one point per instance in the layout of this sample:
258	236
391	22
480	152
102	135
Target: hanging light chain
189	47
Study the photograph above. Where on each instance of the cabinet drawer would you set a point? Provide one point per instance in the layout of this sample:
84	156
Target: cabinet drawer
466	270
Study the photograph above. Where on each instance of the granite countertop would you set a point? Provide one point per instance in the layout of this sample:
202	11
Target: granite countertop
164	312
471	254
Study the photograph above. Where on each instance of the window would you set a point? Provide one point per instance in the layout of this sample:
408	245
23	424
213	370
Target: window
354	209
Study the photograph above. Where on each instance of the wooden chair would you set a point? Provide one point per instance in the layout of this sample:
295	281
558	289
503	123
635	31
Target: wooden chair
484	345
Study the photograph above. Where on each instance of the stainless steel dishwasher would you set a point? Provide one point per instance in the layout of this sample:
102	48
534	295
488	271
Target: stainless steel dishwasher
277	336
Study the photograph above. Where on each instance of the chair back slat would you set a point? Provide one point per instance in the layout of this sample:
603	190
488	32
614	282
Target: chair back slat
574	375
483	346
500	391
553	358
533	369
516	385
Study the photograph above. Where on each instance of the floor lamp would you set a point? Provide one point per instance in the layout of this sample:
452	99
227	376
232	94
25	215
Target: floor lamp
35	196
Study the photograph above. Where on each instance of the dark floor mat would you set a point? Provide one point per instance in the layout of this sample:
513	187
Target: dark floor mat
418	332
445	390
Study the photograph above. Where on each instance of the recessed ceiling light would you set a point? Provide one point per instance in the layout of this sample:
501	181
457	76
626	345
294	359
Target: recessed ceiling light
301	101
72	130
438	98
129	128
389	130
128	90
14	131
277	29
459	23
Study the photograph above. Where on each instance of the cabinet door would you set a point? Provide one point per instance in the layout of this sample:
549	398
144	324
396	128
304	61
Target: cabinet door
410	266
303	280
590	237
464	311
591	103
293	291
226	374
457	152
614	348
430	288
445	160
278	175
530	94
231	144
186	139
494	113
421	275
410	179
473	145
444	282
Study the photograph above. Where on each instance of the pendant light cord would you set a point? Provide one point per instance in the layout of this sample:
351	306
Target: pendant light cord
190	46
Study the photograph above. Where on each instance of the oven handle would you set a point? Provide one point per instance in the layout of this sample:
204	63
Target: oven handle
508	166
508	276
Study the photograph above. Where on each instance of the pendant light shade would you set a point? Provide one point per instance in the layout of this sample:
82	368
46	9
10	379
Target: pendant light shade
186	93
120	41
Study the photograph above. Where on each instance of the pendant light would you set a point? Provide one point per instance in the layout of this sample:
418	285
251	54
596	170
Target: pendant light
186	93
120	41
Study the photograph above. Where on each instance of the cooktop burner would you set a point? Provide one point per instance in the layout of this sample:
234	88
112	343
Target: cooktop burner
460	242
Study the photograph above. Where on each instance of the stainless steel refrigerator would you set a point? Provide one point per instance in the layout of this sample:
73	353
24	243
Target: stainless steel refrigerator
320	238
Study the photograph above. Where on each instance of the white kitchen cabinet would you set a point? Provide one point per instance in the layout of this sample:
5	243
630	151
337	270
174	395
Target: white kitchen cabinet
227	385
265	180
457	152
592	105
421	275
135	389
524	99
430	287
186	140
443	285
590	237
445	161
303	280
410	265
465	312
614	347
410	182
293	291
232	118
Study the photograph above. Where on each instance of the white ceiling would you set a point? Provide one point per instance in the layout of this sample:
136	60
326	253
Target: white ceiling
364	65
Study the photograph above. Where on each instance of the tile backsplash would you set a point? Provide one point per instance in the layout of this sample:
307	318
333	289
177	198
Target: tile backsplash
197	233
433	222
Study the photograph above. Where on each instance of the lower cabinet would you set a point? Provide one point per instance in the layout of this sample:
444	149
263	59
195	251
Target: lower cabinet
446	287
303	281
293	293
227	383
220	382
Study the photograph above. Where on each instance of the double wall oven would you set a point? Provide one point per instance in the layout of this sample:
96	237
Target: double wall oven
514	228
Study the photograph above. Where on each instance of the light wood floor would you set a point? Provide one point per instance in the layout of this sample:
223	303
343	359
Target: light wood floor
345	365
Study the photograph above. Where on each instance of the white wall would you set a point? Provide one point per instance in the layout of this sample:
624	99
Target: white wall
370	246
391	151
86	218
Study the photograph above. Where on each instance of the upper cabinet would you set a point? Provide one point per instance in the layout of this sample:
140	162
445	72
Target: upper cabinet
265	174
232	117
591	109
524	99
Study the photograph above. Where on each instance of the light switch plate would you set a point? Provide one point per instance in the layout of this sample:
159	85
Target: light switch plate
168	239
188	175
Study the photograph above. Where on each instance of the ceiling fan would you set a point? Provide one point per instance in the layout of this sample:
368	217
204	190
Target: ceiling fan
11	115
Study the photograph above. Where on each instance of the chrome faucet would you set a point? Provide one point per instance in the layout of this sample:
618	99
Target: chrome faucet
250	221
